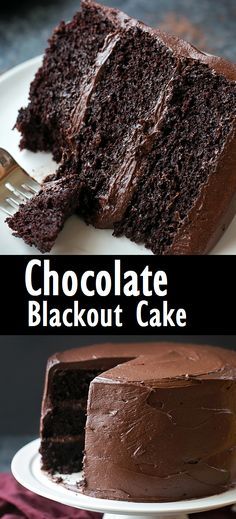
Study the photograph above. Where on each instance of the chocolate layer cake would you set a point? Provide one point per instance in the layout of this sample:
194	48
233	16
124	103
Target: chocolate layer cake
160	422
146	122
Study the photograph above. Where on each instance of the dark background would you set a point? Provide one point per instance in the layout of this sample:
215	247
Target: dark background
25	25
23	361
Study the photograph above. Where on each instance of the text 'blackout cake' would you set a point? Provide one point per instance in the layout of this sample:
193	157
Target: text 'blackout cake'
147	125
146	422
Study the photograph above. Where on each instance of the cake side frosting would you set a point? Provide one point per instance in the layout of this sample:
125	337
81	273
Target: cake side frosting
162	428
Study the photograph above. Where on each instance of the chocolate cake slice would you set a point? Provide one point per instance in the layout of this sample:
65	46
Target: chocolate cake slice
147	122
156	422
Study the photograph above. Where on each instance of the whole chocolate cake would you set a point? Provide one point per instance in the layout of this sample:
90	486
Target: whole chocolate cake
147	124
147	422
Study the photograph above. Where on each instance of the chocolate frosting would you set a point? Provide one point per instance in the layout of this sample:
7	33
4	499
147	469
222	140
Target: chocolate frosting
80	110
162	427
160	419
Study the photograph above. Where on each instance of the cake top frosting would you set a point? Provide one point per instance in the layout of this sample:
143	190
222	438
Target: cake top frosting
172	364
153	360
178	46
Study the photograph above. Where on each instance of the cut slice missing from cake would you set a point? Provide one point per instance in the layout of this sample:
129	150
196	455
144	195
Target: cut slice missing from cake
146	422
64	406
146	122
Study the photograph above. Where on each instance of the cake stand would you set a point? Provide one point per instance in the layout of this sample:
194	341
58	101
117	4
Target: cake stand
26	470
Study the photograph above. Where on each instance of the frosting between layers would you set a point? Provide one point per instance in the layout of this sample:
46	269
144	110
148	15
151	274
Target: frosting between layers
122	184
79	113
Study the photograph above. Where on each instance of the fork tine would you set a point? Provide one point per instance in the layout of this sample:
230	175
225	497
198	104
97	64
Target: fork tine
16	186
23	194
17	192
31	188
6	211
14	203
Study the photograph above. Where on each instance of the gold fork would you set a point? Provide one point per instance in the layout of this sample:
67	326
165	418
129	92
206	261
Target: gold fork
16	186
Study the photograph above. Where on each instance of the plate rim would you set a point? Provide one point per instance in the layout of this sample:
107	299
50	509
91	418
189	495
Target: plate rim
22	470
7	74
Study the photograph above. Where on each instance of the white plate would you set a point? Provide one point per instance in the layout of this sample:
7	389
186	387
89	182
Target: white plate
76	237
26	470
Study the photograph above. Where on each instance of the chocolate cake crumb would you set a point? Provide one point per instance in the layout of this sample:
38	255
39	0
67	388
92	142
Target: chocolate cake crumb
58	480
40	220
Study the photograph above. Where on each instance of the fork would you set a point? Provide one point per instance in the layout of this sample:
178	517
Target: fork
16	186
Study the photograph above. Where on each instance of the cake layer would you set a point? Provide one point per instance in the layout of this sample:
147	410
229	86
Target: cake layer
63	421
62	455
69	373
71	384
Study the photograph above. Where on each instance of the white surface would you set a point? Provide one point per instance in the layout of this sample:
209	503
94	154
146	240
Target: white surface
26	470
76	237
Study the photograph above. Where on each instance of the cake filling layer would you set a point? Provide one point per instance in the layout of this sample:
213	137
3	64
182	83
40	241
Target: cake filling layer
128	83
